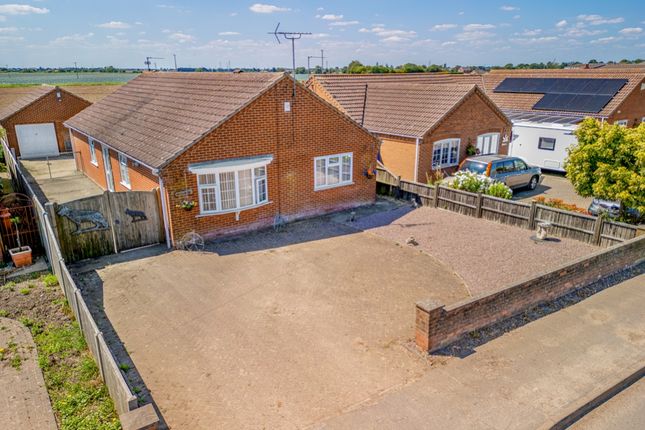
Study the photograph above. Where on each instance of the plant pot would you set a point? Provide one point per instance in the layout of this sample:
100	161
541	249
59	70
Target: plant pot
21	256
6	218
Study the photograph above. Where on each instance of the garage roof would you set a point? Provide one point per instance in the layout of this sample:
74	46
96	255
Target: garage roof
28	97
156	116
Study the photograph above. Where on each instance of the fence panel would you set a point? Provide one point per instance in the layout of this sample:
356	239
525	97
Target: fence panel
135	218
458	201
384	176
567	224
616	232
506	211
424	192
124	400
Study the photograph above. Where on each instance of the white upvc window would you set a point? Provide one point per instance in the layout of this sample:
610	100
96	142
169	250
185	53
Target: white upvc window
622	122
232	190
123	168
445	153
333	170
92	152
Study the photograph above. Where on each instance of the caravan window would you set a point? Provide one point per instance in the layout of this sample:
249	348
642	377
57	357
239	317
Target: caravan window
547	143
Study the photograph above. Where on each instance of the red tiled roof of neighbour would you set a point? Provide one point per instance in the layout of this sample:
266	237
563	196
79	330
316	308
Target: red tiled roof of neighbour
525	102
156	116
27	97
412	109
349	89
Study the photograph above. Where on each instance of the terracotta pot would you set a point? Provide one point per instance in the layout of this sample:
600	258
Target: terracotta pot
21	256
6	218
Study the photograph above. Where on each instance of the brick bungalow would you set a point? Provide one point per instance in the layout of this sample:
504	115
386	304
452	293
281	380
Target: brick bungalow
426	121
242	146
34	121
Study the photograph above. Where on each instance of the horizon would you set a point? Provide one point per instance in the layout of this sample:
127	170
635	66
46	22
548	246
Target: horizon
55	34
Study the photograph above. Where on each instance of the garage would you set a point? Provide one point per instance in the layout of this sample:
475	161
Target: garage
37	140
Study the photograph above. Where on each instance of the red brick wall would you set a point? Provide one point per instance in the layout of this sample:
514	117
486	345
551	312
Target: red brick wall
399	156
45	110
438	325
473	117
632	108
312	128
141	177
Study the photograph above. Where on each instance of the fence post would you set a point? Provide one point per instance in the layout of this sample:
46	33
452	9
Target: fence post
597	230
532	214
110	214
99	354
436	195
479	205
78	309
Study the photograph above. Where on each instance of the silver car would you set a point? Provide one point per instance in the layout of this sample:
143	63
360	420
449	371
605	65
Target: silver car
512	171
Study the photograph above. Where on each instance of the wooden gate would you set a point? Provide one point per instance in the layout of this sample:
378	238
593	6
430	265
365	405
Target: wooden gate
108	223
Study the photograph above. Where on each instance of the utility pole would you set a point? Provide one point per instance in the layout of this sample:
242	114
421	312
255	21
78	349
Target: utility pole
76	69
292	36
322	61
148	62
174	56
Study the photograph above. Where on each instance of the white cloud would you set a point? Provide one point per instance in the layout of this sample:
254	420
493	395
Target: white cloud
395	39
320	8
232	14
631	30
474	35
181	37
599	20
8	29
604	40
319	36
443	27
267	8
529	33
561	23
509	8
448	43
115	25
21	9
517	16
478	27
72	38
343	23
331	17
2	18
138	23
228	33
535	40
381	31
582	32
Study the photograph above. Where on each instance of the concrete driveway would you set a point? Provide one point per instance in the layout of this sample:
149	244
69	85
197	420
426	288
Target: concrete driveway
57	179
554	186
271	330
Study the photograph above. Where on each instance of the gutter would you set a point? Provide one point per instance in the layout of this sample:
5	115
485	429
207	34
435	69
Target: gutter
164	210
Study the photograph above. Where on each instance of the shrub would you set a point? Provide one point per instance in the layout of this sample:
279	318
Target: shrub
560	204
475	183
50	280
499	189
436	178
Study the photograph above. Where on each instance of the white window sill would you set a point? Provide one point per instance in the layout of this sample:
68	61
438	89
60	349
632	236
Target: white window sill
128	186
94	163
231	211
329	187
444	166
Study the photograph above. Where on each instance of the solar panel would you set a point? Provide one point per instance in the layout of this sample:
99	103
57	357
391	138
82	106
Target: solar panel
589	103
589	86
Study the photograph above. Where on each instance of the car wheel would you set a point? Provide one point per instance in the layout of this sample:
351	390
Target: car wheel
533	183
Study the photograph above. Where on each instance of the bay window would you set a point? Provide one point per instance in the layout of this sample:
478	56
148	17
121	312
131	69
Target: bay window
445	153
333	170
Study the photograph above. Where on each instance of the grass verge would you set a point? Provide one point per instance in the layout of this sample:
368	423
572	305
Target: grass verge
78	395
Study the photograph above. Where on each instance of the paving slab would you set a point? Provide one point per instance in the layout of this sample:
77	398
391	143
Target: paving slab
24	402
525	378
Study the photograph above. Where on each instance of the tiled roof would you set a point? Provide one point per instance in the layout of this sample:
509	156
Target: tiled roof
26	97
411	109
349	89
156	116
525	102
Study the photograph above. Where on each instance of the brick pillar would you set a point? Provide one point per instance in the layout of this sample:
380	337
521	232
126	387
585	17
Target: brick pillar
428	314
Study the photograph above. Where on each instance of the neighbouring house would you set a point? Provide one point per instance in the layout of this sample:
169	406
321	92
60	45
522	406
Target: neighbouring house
546	106
34	121
247	149
427	121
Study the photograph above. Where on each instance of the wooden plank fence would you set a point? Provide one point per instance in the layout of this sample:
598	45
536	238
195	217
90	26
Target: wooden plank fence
573	225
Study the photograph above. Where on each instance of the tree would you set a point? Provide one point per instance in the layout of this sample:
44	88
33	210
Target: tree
609	163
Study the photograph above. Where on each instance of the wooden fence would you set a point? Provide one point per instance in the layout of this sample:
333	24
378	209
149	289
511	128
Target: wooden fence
573	225
123	398
107	223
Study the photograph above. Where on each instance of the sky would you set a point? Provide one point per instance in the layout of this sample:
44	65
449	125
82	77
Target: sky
57	33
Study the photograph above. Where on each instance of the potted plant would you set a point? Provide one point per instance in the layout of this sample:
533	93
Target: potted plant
21	255
187	205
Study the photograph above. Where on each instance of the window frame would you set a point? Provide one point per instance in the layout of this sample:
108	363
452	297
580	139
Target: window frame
622	122
445	143
216	187
92	144
541	139
124	179
341	182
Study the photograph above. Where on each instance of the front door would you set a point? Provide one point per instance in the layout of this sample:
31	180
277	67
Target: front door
488	143
107	165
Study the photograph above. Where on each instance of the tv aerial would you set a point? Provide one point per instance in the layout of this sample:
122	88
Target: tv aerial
148	62
292	36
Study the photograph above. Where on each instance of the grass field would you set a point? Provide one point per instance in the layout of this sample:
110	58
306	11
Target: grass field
22	79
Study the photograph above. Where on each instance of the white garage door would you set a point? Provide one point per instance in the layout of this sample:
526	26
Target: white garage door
37	140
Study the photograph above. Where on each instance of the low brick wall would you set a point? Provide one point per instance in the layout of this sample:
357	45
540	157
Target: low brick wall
438	325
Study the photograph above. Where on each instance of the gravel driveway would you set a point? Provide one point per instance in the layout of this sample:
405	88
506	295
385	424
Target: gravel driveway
486	254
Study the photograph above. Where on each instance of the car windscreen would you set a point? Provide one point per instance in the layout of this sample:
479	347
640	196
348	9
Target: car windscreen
474	166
